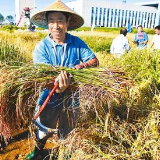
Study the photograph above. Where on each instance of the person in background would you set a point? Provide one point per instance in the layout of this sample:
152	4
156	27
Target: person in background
156	38
120	44
129	28
141	38
59	48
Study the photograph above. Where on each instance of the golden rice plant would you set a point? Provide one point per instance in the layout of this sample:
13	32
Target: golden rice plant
11	55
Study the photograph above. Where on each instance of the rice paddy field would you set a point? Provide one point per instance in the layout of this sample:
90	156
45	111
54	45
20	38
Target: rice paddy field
119	100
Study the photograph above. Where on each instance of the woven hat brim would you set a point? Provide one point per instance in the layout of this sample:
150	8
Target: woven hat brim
39	19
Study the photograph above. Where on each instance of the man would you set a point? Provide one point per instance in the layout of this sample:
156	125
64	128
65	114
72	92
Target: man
129	28
59	48
120	44
141	38
156	38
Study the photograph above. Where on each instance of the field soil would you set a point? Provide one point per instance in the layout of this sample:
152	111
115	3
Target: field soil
21	145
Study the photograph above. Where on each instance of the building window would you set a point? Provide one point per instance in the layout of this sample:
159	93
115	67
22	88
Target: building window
108	17
142	18
126	18
151	20
129	18
100	16
139	18
104	14
111	17
154	20
122	18
136	18
115	17
145	18
92	16
132	21
96	16
119	13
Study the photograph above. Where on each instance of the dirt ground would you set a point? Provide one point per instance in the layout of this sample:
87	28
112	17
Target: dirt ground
21	145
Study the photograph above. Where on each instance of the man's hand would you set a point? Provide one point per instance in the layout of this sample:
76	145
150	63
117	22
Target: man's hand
64	80
90	63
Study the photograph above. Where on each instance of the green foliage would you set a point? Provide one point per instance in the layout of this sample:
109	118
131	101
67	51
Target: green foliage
147	30
142	64
97	44
39	28
22	28
10	19
100	29
1	18
10	28
107	29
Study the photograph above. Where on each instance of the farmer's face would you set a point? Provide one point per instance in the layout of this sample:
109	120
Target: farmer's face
139	29
157	31
57	24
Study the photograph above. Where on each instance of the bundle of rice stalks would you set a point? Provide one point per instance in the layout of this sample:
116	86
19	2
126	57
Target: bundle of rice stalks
20	87
123	140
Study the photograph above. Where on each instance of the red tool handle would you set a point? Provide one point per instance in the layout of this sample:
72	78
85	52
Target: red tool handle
46	101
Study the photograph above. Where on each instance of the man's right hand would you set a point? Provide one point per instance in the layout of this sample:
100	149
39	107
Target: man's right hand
64	80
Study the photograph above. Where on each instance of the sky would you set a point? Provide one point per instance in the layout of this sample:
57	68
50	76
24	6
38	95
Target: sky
7	7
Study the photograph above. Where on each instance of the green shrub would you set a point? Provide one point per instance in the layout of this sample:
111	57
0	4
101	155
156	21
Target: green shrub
101	43
9	27
147	30
100	29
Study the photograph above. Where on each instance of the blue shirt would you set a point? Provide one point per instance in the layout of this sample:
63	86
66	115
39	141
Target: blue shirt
68	55
139	38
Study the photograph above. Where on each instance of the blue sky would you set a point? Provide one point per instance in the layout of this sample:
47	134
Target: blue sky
7	7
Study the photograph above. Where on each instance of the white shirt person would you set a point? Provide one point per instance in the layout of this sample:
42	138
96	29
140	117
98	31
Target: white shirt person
120	44
156	38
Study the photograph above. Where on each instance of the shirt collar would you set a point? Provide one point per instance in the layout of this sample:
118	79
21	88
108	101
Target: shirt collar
67	41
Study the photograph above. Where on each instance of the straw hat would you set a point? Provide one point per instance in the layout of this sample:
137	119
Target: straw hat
40	20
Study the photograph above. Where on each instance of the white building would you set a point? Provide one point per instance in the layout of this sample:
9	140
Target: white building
24	9
109	14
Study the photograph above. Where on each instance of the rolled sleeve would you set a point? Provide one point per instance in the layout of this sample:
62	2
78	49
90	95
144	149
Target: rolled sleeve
85	52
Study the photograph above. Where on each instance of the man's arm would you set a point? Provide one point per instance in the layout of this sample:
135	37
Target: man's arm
112	48
145	38
144	42
90	63
153	41
86	56
128	46
135	39
152	44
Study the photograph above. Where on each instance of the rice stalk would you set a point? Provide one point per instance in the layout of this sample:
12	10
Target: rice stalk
20	87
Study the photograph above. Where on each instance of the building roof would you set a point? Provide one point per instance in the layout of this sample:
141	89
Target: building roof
151	4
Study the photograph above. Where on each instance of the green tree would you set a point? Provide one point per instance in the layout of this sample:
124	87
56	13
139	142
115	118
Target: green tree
1	18
10	19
